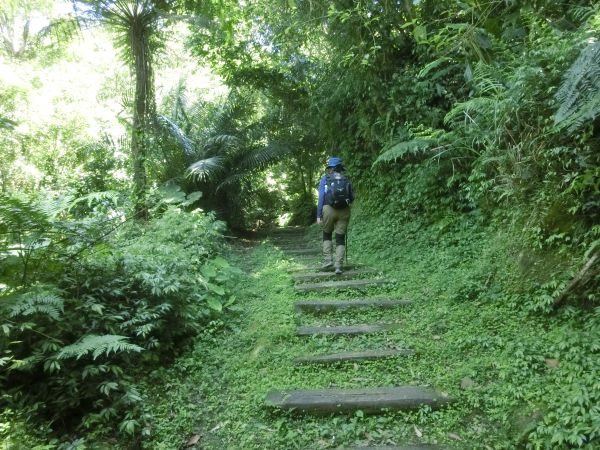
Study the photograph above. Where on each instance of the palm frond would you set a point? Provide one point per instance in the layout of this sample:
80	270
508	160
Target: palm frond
176	133
262	157
206	168
220	144
231	180
98	345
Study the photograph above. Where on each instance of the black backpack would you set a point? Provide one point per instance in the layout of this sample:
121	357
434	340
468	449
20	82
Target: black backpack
337	191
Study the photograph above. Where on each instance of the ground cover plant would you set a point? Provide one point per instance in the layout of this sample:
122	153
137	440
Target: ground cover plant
509	369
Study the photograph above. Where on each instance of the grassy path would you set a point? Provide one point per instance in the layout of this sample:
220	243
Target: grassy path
222	385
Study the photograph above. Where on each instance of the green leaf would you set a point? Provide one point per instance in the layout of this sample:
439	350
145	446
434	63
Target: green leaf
216	289
220	262
214	303
208	271
420	34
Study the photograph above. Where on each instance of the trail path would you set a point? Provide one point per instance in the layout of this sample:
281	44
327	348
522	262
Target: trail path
330	400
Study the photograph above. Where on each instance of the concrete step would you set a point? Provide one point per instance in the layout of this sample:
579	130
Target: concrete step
315	267
347	329
303	251
352	356
325	305
308	276
368	400
348	284
393	447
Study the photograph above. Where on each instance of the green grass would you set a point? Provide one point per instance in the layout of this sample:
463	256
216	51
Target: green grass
465	326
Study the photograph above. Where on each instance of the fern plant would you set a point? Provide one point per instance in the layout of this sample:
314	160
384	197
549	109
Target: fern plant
97	346
579	94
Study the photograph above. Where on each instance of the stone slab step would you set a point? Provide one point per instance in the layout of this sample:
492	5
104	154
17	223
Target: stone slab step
293	247
347	329
369	400
347	284
352	356
317	306
330	274
392	447
303	251
306	269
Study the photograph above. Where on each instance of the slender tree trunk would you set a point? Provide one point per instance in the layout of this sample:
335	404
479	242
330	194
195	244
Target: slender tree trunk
143	112
408	9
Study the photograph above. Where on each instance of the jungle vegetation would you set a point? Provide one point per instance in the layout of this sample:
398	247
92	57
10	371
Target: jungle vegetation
137	136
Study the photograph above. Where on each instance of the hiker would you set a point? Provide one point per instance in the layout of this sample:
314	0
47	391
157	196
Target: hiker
333	212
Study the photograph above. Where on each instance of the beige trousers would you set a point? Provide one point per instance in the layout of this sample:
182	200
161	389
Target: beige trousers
335	219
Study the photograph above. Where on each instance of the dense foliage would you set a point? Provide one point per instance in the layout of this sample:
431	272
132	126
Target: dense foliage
468	128
87	303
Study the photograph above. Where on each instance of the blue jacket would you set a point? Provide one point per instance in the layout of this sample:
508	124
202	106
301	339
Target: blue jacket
322	184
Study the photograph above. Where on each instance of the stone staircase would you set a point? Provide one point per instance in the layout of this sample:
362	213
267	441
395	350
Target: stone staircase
368	399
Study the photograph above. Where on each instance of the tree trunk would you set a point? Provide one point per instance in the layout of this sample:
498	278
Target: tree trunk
143	112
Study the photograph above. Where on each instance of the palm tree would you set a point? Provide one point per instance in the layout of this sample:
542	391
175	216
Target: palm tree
224	149
137	23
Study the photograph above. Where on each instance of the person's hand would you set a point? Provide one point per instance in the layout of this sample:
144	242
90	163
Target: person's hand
318	220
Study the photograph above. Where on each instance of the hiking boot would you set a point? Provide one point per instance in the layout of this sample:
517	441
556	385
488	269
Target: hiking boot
327	257
340	252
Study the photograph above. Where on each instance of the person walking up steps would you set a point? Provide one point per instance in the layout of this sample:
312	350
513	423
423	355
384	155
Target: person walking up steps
333	212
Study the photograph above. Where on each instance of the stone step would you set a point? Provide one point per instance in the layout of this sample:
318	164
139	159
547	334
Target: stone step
306	269
347	329
348	284
393	447
324	305
293	247
330	274
303	251
287	236
352	356
300	239
369	400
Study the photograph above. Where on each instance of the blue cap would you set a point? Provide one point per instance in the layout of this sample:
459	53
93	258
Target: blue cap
334	161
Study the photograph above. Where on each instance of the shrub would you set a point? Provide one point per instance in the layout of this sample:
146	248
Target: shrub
85	304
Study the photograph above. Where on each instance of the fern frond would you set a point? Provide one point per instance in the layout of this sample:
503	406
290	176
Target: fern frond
471	109
484	77
27	363
583	13
206	168
424	72
19	213
38	301
98	345
579	94
95	197
401	149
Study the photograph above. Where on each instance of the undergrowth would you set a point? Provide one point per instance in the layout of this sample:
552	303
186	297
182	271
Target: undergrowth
521	379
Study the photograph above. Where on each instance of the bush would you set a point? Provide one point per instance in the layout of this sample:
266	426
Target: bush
86	304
